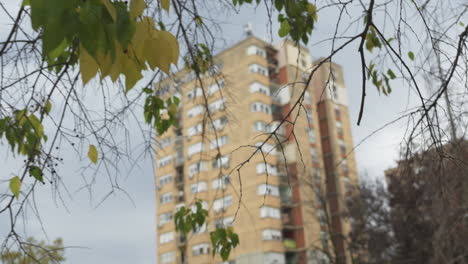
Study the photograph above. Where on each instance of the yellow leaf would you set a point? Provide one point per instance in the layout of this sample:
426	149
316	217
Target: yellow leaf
15	186
105	64
110	8
312	10
93	154
165	4
136	8
143	30
162	49
88	66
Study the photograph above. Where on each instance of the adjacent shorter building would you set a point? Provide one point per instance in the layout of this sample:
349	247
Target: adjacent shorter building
276	191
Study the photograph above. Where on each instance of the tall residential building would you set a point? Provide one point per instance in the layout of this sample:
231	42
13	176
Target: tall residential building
272	194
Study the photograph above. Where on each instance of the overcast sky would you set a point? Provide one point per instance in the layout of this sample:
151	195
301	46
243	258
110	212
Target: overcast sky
121	232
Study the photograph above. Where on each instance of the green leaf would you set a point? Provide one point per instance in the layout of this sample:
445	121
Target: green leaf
36	172
47	107
93	154
411	55
391	74
312	10
125	23
284	28
15	186
198	20
110	9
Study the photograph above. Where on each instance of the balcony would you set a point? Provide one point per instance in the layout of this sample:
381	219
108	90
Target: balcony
286	197
289	243
179	160
179	179
287	221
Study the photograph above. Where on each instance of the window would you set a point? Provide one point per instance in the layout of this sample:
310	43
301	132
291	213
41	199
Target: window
222	203
268	189
263	167
201	249
166	237
194	93
219	123
222	162
307	99
322	216
164	142
342	145
194	130
310	116
324	239
168	257
165	218
274	258
311	134
165	198
195	148
255	68
271	234
260	126
165	179
164	161
221	183
344	164
204	205
267	149
314	154
198	187
303	63
163	89
221	141
224	222
215	87
269	212
254	50
194	111
189	77
339	128
317	176
259	88
197	167
216	106
337	112
199	229
335	91
261	107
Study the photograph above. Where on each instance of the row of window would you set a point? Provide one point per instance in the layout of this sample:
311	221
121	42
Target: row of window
267	234
202	186
219	105
212	89
254	50
201	166
255	68
218	124
213	107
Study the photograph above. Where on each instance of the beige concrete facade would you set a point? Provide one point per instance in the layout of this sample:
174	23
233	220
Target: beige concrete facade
248	94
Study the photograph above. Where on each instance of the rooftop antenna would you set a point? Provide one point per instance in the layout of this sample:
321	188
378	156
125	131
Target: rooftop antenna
248	29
